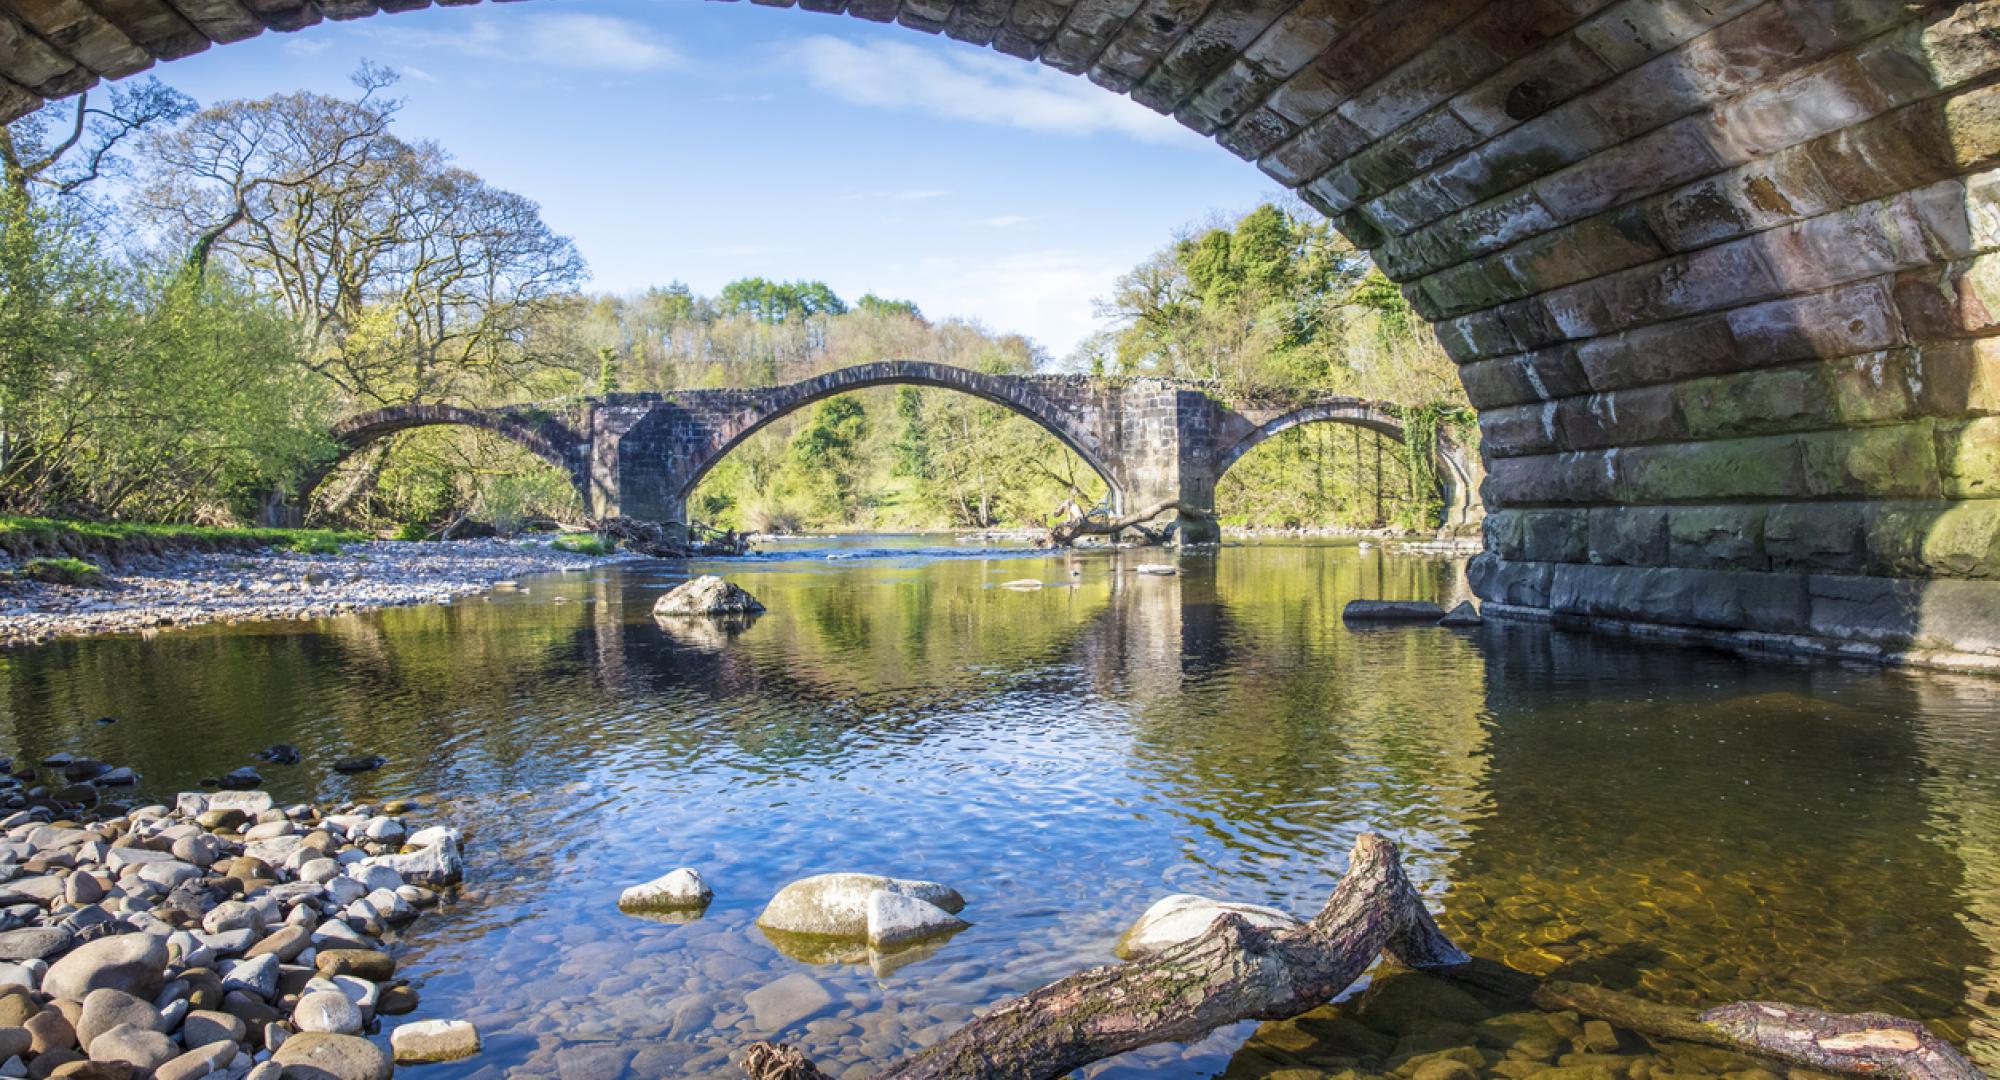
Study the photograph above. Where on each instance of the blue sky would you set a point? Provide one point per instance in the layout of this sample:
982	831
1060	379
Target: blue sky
701	142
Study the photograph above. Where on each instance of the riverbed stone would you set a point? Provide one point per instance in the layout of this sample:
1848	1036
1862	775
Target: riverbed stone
680	889
327	1011
371	964
105	1009
204	1026
134	963
780	1004
34	942
204	1060
836	905
140	1047
316	1055
1185	916
49	1030
707	595
427	1041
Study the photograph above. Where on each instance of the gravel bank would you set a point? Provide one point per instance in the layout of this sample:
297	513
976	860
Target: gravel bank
185	590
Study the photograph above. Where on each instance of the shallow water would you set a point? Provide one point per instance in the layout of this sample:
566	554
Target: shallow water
1687	825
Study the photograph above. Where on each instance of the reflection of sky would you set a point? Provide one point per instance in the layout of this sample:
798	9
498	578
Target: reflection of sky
1065	757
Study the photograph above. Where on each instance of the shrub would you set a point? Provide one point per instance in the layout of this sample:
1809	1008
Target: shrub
63	572
586	544
412	530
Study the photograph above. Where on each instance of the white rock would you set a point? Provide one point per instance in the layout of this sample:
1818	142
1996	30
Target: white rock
1184	917
435	865
329	1011
675	890
436	834
894	920
1156	569
374	876
258	976
836	905
426	1041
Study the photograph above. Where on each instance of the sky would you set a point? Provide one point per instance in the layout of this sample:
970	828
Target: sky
684	140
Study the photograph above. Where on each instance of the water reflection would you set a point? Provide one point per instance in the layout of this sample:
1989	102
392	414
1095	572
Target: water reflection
1680	823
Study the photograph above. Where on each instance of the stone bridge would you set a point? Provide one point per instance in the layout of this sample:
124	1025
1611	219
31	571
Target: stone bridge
1721	276
1152	440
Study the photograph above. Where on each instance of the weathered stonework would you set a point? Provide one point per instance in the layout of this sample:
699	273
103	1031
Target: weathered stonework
1722	276
1152	440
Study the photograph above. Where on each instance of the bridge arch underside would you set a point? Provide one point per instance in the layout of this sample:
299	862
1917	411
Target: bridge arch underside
1720	275
360	432
1457	475
686	443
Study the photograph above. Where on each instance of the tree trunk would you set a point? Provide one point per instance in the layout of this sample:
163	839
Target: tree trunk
1066	533
1233	972
1236	971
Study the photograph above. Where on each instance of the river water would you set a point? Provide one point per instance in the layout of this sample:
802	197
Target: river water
1686	825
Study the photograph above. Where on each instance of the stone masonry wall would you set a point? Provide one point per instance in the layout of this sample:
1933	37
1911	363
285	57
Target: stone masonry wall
1722	276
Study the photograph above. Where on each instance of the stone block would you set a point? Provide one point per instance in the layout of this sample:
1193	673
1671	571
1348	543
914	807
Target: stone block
1657	354
1717	537
1898	461
1826	98
1933	539
1628	171
1629	33
1760	468
1518	430
1816	537
1501	581
1957	299
1756	402
1837	322
1531	86
1647	414
1492	384
1953	378
1674	596
1555	536
1875	387
1566	134
1552	480
1628	535
1900	613
1968	458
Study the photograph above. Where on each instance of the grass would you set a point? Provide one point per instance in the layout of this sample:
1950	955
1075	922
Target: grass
63	572
49	534
585	544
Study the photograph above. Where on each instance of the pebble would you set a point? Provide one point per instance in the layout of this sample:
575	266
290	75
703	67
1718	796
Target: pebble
427	1041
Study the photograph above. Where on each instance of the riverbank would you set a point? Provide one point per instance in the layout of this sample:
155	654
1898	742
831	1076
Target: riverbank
150	592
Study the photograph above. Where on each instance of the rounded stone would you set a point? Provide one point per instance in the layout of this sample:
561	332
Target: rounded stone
105	1009
681	889
134	963
315	1055
369	964
142	1048
836	905
427	1041
204	1026
327	1011
1184	917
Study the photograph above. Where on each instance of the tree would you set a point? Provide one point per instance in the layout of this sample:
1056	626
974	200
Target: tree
39	153
415	279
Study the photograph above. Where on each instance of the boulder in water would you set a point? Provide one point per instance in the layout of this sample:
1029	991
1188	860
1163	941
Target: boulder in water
1184	917
707	595
895	920
677	890
836	905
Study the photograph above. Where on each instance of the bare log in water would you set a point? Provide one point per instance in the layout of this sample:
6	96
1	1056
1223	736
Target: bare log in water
1066	533
1237	972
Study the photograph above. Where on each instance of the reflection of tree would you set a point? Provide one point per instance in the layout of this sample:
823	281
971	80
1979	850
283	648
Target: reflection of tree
1387	726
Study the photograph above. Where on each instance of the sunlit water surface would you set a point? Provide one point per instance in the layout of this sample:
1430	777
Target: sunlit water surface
1686	825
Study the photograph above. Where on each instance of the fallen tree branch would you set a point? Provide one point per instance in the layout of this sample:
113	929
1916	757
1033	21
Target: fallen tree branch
1233	972
1236	971
1066	533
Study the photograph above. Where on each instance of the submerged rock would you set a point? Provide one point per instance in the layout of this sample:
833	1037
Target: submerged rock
677	890
360	763
333	1057
778	1005
836	905
1184	917
1155	569
1392	611
1462	615
707	595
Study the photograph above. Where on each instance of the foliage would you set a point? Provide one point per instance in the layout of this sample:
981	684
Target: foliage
19	534
63	572
586	544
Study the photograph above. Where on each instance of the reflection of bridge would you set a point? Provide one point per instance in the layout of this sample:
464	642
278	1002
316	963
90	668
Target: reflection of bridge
1152	440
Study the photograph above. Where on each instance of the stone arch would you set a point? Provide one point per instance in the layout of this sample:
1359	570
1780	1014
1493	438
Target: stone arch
1717	274
542	436
1457	475
728	431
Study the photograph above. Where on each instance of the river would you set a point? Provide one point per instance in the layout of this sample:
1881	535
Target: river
1688	825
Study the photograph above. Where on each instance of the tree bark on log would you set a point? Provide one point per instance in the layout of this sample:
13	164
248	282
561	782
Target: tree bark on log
1236	971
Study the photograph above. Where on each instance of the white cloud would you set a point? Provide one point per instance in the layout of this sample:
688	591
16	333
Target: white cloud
1045	294
976	86
1004	221
569	40
307	45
